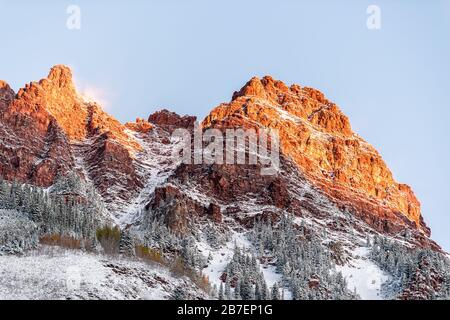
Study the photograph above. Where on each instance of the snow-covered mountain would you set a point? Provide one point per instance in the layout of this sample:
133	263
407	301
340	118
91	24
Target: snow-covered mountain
332	223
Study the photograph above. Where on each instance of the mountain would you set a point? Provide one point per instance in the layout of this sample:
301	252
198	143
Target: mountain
318	138
332	223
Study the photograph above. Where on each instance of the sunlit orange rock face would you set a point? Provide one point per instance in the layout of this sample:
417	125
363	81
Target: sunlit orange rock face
318	137
140	125
6	94
57	96
47	129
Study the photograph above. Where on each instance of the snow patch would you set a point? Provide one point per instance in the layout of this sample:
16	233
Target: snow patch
363	275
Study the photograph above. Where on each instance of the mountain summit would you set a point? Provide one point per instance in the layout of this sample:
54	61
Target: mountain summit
317	136
314	134
333	211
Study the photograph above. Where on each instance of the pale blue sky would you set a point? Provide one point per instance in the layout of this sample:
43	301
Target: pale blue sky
189	56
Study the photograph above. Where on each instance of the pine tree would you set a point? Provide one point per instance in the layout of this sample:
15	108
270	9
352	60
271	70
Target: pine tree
228	289
179	293
126	244
297	263
221	295
258	295
265	292
275	295
246	288
237	291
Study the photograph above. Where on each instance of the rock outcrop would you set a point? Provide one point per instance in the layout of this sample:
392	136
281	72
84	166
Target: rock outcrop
6	94
317	136
140	125
170	120
47	129
334	185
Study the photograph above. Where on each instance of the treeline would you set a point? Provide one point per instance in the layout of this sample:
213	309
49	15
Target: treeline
69	209
71	214
306	265
243	274
416	273
17	232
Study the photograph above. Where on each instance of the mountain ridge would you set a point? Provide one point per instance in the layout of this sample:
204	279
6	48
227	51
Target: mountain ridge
314	133
318	136
333	195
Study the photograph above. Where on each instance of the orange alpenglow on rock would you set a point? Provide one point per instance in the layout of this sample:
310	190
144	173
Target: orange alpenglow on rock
53	124
318	137
57	96
48	129
140	125
6	93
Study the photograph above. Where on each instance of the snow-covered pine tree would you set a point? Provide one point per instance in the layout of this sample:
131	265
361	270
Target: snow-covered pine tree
221	293
275	293
246	288
419	272
126	244
54	213
237	290
179	293
227	289
300	257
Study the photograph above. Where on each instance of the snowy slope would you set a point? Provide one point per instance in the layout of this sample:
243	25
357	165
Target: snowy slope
363	275
222	256
56	273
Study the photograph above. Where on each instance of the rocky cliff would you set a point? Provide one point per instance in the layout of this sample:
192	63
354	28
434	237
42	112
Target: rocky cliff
335	186
48	129
317	136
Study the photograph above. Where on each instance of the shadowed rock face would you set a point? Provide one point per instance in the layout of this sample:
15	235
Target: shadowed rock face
317	136
170	120
48	129
217	192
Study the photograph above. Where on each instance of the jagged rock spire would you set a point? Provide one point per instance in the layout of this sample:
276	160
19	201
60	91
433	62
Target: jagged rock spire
6	94
61	76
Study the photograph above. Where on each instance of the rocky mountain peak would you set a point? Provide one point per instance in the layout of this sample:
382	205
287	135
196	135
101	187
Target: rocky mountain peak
170	121
61	76
6	93
56	125
333	198
314	133
265	88
305	103
55	98
317	136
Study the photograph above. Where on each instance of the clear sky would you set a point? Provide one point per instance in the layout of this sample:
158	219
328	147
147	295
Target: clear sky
188	56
